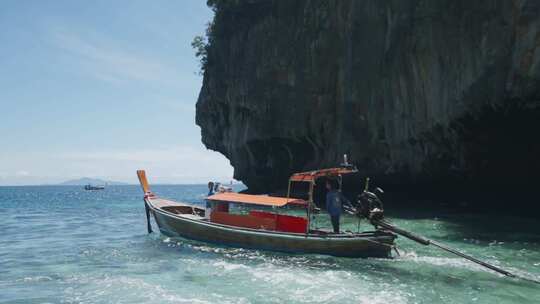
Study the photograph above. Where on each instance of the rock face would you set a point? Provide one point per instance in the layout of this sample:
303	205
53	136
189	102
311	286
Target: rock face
414	91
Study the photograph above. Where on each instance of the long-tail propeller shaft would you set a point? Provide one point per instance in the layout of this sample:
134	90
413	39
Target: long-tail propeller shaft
377	220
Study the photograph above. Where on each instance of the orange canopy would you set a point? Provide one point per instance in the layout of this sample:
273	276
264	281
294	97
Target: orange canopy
313	175
264	200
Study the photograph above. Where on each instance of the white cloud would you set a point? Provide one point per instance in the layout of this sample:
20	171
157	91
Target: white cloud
153	155
174	164
183	164
22	173
112	63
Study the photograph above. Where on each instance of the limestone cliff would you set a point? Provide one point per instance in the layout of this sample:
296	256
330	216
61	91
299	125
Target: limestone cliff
414	91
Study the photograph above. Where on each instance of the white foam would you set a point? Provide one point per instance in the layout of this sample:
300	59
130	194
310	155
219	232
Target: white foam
34	279
124	289
317	285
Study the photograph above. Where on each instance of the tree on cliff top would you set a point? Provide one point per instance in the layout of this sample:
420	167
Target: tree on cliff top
200	45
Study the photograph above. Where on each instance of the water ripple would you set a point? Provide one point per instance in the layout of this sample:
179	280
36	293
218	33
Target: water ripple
65	245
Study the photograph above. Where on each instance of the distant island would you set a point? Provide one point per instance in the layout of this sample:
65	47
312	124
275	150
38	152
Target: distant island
90	181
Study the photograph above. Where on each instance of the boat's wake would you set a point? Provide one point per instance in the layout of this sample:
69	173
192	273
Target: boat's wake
407	261
460	264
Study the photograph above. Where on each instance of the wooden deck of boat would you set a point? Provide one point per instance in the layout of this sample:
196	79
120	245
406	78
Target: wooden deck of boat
160	202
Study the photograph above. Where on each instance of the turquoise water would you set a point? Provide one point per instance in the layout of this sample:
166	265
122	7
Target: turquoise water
67	245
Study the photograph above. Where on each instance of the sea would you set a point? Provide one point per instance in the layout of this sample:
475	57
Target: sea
62	244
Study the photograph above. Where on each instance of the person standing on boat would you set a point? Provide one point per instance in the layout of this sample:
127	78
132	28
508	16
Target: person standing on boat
334	202
208	204
211	190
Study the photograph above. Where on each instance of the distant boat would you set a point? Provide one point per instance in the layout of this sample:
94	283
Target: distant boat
93	187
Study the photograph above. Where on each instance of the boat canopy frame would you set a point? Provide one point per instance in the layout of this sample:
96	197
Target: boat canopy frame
301	177
311	178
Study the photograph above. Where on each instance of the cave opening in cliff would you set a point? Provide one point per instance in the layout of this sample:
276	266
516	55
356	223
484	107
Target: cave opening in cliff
488	156
500	143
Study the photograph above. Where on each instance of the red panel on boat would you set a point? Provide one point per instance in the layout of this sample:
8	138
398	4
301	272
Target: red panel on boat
285	223
291	224
244	221
263	214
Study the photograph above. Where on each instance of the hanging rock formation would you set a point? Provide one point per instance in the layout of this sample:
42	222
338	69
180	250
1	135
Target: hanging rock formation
416	92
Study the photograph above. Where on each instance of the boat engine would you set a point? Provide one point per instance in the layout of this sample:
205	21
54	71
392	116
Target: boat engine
369	204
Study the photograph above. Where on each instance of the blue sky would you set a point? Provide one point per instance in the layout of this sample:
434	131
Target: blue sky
100	89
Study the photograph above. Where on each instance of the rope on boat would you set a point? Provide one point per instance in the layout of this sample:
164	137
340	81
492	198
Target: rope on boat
425	241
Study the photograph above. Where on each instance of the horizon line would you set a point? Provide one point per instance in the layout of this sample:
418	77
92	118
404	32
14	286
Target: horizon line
123	184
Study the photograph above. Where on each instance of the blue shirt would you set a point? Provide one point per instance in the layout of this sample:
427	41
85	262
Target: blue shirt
334	202
211	192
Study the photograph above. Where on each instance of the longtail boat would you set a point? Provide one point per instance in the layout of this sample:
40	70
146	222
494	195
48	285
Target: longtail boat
264	227
276	231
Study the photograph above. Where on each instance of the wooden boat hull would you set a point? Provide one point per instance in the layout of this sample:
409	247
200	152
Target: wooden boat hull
367	244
